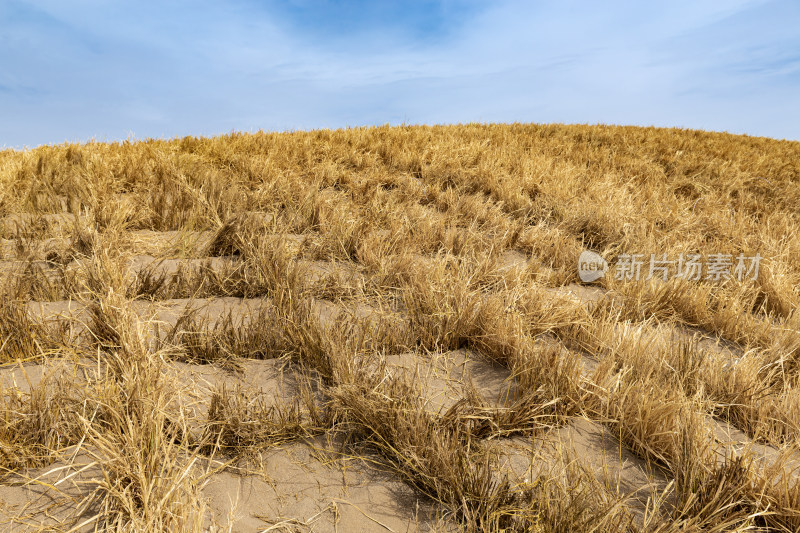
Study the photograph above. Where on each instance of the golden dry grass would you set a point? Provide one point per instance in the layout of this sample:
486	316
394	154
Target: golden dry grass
412	295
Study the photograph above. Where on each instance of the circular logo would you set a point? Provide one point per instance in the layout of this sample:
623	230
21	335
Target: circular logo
591	266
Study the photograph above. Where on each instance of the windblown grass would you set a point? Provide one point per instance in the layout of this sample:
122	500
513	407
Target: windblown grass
369	243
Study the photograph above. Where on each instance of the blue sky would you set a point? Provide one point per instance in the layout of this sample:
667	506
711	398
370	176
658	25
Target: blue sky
111	70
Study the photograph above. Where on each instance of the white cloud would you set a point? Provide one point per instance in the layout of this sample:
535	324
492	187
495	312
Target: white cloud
101	69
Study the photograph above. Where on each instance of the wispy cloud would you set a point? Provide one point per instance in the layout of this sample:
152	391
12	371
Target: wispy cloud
97	69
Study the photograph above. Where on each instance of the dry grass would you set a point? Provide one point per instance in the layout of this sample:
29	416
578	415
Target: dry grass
363	247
